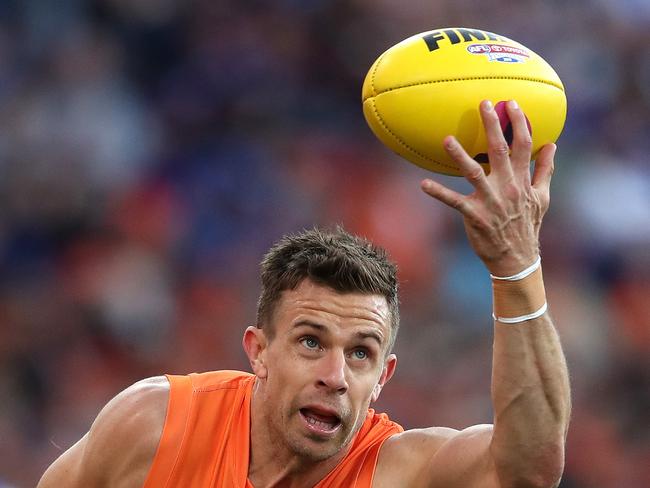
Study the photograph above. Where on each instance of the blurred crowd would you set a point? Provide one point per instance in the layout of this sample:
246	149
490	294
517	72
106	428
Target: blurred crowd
152	150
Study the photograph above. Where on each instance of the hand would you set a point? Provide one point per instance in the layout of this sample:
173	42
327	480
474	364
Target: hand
503	216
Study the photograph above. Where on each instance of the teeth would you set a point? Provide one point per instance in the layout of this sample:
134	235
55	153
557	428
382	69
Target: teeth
319	423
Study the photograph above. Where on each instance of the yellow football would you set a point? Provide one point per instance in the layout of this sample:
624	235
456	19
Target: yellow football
430	86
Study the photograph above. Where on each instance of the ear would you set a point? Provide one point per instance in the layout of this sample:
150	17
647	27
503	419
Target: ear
386	375
255	342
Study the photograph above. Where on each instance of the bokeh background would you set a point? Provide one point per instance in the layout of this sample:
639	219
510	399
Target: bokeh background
152	150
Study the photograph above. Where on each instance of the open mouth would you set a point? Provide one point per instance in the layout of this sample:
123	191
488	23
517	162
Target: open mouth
319	421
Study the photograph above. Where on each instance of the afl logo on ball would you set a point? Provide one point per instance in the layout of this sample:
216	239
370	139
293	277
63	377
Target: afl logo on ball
499	52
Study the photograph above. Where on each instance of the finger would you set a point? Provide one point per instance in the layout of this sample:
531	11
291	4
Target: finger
544	167
446	195
471	170
498	150
522	142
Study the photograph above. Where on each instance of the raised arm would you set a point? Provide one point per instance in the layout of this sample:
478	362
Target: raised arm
530	386
118	449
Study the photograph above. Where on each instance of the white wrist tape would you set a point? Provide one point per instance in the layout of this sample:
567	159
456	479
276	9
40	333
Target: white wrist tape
522	274
522	318
519	297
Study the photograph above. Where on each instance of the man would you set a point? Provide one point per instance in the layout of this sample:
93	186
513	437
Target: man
321	354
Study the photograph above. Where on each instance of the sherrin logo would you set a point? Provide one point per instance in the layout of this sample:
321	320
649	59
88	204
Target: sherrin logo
499	52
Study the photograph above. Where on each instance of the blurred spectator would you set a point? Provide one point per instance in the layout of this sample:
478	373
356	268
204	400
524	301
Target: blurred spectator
151	151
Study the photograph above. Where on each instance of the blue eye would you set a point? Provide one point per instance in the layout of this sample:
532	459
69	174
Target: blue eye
360	354
309	342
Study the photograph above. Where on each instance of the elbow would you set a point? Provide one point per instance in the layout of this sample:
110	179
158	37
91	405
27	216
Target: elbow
540	479
543	470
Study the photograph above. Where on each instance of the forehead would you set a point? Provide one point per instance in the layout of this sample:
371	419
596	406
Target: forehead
312	302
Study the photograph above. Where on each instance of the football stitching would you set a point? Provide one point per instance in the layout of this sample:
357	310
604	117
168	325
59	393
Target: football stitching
374	72
451	80
417	153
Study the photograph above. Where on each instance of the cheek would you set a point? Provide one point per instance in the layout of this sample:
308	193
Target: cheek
361	390
286	377
278	398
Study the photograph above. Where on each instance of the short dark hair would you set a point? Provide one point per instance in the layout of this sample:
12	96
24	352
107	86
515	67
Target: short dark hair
332	258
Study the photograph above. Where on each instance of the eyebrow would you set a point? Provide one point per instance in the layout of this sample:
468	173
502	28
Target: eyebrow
370	335
359	335
307	323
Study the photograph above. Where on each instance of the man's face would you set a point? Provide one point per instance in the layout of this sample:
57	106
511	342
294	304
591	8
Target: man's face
326	362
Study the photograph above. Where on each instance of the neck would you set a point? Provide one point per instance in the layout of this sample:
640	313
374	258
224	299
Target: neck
272	462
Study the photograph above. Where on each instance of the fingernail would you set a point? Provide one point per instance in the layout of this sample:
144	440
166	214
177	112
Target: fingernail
450	142
513	104
487	104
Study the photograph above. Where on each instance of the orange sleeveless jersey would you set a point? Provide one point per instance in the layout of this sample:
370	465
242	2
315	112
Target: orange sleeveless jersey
205	440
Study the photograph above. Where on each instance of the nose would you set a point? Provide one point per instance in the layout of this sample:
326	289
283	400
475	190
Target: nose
331	373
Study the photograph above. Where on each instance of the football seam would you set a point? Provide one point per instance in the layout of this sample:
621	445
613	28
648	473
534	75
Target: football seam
374	72
451	80
400	141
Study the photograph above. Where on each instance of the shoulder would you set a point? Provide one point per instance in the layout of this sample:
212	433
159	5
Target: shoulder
132	423
435	456
408	454
121	443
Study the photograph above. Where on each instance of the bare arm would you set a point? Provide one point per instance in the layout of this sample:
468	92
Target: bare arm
530	393
120	446
530	386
